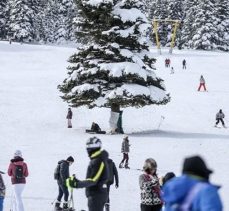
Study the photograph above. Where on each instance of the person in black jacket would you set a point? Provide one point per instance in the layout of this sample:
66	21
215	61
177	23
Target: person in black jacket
113	174
63	170
69	117
96	178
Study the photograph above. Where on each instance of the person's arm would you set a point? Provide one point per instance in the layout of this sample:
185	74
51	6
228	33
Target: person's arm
64	171
10	170
116	175
26	172
95	174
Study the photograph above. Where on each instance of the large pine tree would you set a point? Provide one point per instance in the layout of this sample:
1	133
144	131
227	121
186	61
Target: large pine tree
115	69
3	19
223	24
21	21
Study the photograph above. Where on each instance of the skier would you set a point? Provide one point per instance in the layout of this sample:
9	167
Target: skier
219	118
125	150
192	190
2	191
184	64
97	176
113	173
166	62
169	62
61	174
172	70
18	171
150	187
202	83
69	118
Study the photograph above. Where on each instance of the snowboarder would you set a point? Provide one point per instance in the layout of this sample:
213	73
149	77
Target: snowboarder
95	129
125	150
97	176
2	191
61	174
202	83
184	64
69	118
150	187
219	118
113	174
192	190
18	171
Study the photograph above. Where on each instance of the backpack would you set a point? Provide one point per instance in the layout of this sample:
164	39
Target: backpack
19	173
57	172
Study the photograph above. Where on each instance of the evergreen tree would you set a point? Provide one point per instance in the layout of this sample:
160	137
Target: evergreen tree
115	69
21	21
206	35
175	12
159	11
187	31
3	19
223	24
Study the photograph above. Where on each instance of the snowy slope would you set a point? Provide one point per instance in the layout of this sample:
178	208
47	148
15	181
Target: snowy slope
33	120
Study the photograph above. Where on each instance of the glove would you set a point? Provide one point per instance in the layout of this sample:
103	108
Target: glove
116	185
71	182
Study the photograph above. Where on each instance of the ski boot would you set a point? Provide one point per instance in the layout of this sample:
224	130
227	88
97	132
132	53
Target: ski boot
107	207
126	166
65	206
120	165
57	206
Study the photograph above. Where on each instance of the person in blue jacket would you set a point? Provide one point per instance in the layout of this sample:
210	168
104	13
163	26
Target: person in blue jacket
192	191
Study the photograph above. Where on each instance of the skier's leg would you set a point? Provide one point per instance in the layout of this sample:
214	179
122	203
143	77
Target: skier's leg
60	194
199	87
66	194
97	202
123	159
107	204
18	188
222	122
204	87
217	122
127	160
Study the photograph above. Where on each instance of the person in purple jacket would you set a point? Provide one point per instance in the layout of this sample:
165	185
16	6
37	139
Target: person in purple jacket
192	191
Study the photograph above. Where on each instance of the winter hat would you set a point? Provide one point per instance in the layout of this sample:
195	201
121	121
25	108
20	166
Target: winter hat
196	165
70	159
168	176
149	164
18	153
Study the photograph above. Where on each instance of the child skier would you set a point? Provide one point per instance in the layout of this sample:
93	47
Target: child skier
125	150
202	83
219	118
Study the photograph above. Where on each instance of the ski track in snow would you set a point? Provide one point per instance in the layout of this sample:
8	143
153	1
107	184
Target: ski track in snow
33	120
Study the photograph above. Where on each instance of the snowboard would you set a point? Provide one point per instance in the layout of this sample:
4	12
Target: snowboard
93	132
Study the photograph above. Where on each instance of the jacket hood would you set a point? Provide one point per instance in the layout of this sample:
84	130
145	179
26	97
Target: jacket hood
16	159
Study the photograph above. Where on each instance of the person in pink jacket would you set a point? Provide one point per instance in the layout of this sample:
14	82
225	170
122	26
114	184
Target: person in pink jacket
18	171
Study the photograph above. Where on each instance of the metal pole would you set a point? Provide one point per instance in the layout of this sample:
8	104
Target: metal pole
174	36
155	27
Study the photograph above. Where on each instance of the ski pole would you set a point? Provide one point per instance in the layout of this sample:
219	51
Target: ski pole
1	172
53	201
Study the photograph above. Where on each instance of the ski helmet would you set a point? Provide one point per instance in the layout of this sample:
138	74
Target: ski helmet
93	143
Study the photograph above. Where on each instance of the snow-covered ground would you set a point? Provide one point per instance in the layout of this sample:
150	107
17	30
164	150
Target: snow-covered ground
33	120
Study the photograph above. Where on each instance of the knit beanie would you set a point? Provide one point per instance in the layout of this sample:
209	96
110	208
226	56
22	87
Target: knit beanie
70	159
18	153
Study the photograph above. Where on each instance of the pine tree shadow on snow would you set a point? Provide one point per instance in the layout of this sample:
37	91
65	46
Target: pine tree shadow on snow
177	134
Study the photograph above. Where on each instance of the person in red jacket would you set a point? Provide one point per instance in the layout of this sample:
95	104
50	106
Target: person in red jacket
18	171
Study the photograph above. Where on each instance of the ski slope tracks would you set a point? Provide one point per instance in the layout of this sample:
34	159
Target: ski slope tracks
33	119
